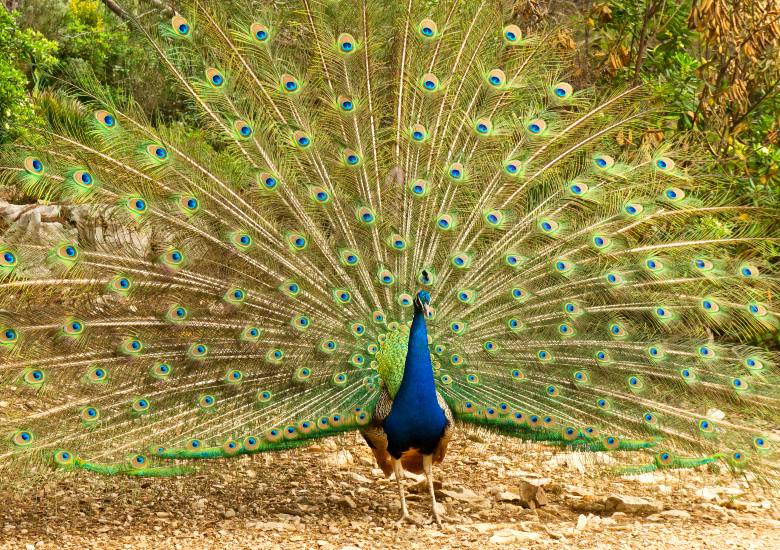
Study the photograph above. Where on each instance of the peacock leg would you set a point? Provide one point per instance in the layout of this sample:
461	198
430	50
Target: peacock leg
428	469
399	478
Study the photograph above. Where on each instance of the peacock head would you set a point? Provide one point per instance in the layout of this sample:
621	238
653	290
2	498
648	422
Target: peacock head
423	303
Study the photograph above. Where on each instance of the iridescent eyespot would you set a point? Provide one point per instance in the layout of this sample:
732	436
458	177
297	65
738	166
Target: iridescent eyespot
544	355
419	133
97	374
301	139
233	376
455	171
760	443
342	296
616	331
747	270
753	363
346	43
263	396
90	414
603	162
198	351
562	90
496	78
512	34
259	32
365	215
419	188
345	103
68	252
243	128
351	158
674	194
302	374
664	458
578	188
548	226
756	309
633	208
22	438
563	267
461	260
483	126
33	165
429	82
7	259
34	377
702	264
566	330
494	218
180	25
289	83
83	178
251	443
161	371
157	152
445	222
537	126
206	401
235	296
290	288
105	118
601	241
427	28
137	205
665	164
140	405
63	458
297	241
512	167
214	77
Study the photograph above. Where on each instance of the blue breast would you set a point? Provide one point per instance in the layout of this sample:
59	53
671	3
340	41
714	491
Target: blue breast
416	420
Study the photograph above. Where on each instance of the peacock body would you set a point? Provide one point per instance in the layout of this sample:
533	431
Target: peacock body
358	166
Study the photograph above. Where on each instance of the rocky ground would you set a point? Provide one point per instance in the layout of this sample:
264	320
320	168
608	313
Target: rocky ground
331	495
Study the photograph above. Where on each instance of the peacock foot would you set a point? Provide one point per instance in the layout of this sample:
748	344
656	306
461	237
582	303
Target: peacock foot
435	518
406	518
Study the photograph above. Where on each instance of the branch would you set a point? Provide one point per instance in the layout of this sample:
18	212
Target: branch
116	9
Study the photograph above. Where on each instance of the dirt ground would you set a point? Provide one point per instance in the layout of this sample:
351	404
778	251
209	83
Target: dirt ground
331	495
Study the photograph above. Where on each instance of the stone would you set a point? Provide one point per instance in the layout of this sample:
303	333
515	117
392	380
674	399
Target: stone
677	514
362	479
464	495
229	513
631	505
340	458
582	522
513	536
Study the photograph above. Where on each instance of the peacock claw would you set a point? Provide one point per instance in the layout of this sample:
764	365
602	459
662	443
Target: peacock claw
406	518
434	519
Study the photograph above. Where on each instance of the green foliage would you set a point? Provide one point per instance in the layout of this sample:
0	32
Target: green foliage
25	56
714	68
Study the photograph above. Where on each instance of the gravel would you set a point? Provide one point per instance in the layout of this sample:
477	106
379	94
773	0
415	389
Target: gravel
331	496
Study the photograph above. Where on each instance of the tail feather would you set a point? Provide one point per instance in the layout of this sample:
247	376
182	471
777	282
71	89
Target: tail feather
592	287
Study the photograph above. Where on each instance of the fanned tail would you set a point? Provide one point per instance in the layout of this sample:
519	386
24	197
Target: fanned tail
592	287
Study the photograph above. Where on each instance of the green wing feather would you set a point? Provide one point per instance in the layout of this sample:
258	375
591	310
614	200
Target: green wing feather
589	291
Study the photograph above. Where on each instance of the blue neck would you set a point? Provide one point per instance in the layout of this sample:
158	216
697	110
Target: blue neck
418	389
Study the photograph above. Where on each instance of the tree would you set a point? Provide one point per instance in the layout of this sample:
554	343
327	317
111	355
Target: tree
25	57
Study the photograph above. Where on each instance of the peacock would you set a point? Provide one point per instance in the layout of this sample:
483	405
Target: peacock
387	218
